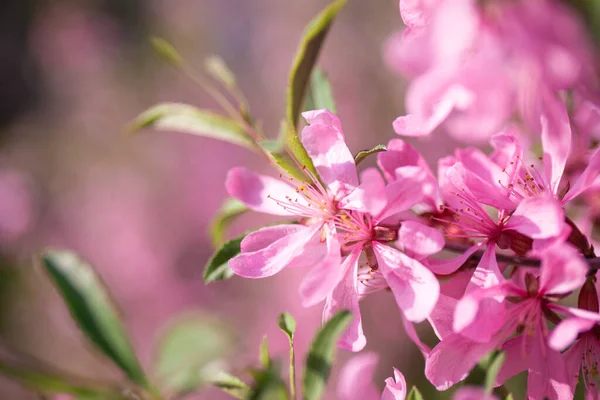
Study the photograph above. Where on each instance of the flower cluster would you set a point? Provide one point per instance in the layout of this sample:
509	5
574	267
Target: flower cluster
509	72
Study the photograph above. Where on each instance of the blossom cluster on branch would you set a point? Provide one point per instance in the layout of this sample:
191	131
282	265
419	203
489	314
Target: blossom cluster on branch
513	73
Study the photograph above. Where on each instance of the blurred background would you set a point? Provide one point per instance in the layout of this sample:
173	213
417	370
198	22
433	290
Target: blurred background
72	75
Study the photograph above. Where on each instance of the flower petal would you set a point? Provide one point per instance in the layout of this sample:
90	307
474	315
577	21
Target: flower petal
448	266
420	239
324	141
259	192
356	378
401	195
345	297
369	197
567	331
273	258
538	217
409	330
325	275
556	136
415	288
395	388
453	358
563	270
586	179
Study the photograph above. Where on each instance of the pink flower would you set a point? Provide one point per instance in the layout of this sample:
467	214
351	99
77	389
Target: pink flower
314	242
581	329
476	65
414	286
356	381
532	303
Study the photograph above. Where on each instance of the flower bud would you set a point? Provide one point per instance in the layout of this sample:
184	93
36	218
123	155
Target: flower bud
588	296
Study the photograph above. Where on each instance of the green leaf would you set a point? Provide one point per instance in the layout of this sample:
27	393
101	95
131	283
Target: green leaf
217	68
493	370
49	383
277	150
229	211
319	94
361	155
306	57
264	357
166	51
218	268
302	67
232	386
414	394
320	355
189	119
287	324
91	307
268	385
188	354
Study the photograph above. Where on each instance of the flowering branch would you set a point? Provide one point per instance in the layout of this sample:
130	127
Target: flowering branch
593	262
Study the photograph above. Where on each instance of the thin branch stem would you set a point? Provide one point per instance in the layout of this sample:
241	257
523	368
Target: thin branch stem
593	263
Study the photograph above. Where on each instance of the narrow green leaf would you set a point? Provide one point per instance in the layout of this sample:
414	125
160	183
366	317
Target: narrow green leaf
189	119
268	385
166	51
49	383
264	356
91	307
232	386
493	370
189	352
217	68
414	394
306	57
302	67
278	152
217	268
320	356
320	94
229	211
287	324
361	155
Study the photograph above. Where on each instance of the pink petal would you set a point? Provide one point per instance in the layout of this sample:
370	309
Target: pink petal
442	316
413	12
356	378
273	258
265	236
258	192
448	266
345	297
409	330
556	137
563	270
547	376
324	141
566	332
415	287
586	179
464	180
324	276
453	358
398	154
420	239
538	217
401	195
395	388
369	197
517	351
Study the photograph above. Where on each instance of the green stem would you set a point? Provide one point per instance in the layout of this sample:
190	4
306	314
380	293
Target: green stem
292	372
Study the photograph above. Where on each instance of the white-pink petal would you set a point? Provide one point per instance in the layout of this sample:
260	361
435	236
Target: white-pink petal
324	142
566	332
356	378
259	192
420	240
273	258
415	288
395	388
369	197
538	217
